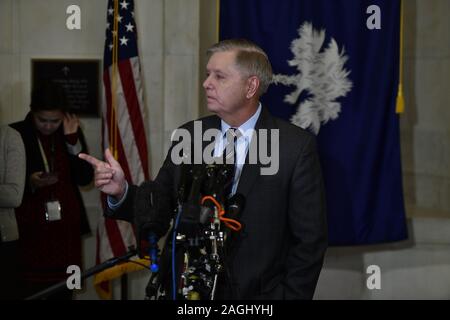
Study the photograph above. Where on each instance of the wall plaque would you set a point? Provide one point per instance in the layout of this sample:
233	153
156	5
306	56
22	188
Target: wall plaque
78	77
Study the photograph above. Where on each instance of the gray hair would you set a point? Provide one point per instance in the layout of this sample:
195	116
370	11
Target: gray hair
250	59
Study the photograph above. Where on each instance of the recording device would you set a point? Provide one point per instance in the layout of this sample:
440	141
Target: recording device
193	257
198	181
203	247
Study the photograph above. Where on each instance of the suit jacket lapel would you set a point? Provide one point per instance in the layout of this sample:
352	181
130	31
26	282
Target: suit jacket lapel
209	123
250	172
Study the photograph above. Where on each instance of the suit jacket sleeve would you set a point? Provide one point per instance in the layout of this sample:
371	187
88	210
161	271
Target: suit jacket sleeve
126	211
307	220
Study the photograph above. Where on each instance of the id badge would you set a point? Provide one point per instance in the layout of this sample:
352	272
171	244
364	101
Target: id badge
53	211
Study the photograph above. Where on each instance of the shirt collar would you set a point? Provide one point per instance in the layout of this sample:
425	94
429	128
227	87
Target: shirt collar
247	126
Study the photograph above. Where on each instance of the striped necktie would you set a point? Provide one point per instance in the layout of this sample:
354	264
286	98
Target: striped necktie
229	152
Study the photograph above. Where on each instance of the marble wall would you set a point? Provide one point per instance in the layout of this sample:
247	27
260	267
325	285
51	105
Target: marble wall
425	125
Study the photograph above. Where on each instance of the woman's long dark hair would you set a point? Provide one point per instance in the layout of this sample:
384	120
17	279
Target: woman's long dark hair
48	95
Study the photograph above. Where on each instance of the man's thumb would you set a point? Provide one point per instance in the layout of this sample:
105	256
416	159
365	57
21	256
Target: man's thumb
110	158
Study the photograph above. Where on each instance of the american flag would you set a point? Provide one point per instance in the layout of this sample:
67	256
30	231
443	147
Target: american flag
122	127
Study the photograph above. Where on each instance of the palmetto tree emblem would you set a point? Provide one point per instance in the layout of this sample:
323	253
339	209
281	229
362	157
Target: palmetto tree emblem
320	73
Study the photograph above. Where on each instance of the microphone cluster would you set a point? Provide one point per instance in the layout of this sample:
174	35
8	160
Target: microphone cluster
206	216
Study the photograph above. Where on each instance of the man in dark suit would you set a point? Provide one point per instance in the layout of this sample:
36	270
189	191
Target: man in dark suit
280	252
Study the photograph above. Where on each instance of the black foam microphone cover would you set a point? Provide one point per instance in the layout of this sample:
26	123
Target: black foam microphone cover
152	211
236	205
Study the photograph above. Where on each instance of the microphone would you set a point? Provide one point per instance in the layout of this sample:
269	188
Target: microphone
190	218
220	178
198	175
151	215
236	205
185	181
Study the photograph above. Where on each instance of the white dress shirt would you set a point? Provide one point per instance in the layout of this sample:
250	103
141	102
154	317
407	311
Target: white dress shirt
243	143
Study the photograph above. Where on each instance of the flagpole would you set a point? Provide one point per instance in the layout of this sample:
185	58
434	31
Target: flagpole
114	122
115	58
217	20
400	103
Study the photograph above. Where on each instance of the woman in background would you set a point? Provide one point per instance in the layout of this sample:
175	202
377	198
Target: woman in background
52	216
12	181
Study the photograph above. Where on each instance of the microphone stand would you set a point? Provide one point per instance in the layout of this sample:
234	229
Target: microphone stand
96	269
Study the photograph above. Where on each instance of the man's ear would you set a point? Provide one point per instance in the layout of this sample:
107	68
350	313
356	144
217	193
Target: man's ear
252	86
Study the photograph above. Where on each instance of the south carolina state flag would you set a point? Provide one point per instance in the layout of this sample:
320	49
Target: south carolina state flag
336	66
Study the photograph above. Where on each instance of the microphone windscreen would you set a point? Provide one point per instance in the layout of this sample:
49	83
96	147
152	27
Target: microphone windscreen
236	205
151	210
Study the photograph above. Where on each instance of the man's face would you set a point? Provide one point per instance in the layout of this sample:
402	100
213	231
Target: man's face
225	86
47	122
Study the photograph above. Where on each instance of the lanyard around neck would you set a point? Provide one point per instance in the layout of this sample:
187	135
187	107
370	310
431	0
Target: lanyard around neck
48	167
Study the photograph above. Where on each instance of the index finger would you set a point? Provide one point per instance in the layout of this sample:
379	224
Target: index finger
67	116
92	160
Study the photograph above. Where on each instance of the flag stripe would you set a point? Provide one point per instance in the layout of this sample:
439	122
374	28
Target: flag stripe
130	154
131	96
105	250
114	237
129	140
117	231
116	243
119	115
